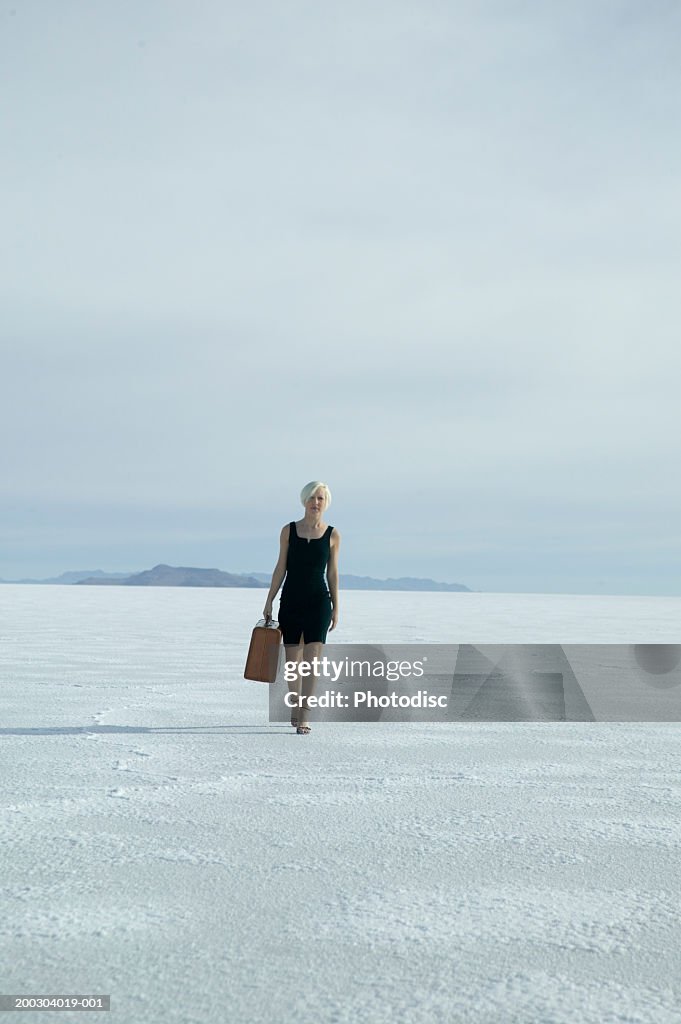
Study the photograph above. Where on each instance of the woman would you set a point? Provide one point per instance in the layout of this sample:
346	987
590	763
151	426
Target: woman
308	608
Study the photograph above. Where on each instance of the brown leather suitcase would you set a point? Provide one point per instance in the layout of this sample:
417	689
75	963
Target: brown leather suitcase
263	654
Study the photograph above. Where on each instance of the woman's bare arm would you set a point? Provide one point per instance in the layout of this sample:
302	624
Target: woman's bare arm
332	575
279	571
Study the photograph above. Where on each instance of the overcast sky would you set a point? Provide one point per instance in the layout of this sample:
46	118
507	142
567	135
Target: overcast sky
426	251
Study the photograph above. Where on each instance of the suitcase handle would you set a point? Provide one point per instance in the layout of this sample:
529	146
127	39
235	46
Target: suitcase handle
268	623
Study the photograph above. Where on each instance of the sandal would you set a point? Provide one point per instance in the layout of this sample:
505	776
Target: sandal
294	720
302	727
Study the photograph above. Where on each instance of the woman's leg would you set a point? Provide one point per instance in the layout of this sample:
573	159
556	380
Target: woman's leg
294	652
309	682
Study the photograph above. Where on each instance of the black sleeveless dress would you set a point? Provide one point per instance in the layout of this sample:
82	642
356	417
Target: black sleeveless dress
305	605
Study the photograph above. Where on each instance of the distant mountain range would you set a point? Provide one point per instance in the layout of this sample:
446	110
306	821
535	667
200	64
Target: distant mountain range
76	577
176	576
183	576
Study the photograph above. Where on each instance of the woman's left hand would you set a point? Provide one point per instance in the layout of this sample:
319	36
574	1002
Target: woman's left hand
334	619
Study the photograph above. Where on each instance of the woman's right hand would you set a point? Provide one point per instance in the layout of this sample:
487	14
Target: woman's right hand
267	610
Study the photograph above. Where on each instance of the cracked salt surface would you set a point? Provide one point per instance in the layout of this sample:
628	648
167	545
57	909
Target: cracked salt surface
163	842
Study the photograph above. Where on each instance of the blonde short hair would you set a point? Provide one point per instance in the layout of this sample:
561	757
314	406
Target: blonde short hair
309	489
